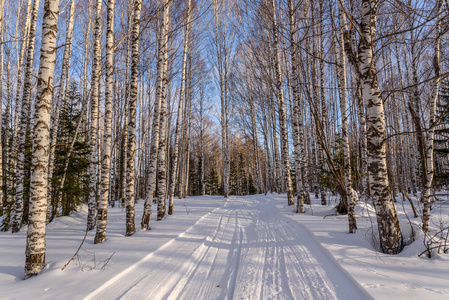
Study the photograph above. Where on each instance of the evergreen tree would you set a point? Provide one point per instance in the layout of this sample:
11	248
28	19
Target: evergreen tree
73	164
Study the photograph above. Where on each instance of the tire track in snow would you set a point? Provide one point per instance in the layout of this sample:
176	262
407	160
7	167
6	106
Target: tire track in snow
243	250
124	282
233	279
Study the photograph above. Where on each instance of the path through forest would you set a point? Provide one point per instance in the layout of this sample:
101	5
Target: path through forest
243	250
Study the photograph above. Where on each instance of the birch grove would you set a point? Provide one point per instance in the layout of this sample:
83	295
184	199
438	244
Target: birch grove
139	103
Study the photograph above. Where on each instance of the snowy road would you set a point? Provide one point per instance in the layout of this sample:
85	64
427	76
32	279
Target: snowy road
243	250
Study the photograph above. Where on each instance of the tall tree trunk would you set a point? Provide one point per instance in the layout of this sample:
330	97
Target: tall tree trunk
24	123
23	46
296	110
268	175
102	214
342	86
155	139
2	3
280	99
126	130
202	142
255	143
387	220
65	73
427	162
35	244
224	142
86	56
185	174
171	189
130	170
277	163
92	202
324	116
415	106
161	167
364	153
161	161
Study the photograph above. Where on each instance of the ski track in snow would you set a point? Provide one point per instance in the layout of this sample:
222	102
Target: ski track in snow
243	250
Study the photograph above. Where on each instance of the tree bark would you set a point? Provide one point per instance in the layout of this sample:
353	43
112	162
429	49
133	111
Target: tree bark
280	99
428	170
65	73
130	170
181	105
387	220
100	236
24	123
296	109
92	202
155	139
35	244
2	3
342	86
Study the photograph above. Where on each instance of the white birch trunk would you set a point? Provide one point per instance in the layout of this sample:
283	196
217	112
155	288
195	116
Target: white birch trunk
23	47
92	202
429	141
282	118
224	142
255	144
2	3
362	121
130	170
185	174
126	132
296	111
277	163
342	86
102	214
181	105
86	54
35	245
161	165
65	72
147	209
24	123
324	116
387	221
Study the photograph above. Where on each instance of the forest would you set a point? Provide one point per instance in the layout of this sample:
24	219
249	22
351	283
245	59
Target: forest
107	103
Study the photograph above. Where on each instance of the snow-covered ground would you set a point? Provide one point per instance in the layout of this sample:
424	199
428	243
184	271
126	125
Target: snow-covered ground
252	247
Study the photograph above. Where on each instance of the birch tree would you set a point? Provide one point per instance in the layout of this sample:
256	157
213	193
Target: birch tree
222	41
2	7
342	86
163	6
130	188
102	214
92	202
35	244
427	160
62	91
24	122
161	167
23	47
281	103
181	105
297	116
387	220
